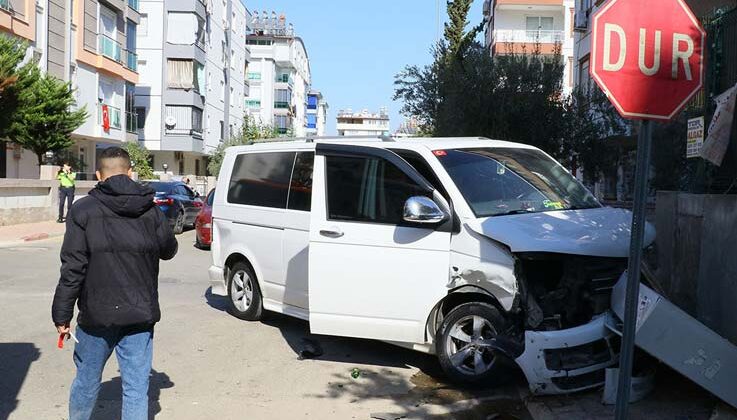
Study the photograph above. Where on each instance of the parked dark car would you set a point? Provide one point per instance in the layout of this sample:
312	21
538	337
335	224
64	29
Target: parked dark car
179	203
203	224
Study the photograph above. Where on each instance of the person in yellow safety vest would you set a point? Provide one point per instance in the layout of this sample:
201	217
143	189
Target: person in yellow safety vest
66	179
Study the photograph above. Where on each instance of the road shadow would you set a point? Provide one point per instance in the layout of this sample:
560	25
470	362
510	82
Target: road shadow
216	302
15	361
110	398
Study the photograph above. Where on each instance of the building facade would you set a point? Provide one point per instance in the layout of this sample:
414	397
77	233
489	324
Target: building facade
513	26
363	123
317	114
278	74
91	44
192	63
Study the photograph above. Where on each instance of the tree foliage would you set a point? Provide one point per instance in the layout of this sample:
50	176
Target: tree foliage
44	119
516	96
250	131
140	158
15	77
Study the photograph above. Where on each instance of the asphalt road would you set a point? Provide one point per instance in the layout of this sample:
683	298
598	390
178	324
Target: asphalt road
208	364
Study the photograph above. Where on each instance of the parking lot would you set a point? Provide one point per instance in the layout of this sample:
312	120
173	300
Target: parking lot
208	364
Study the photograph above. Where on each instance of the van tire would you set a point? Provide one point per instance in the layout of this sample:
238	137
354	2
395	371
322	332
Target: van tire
242	283
460	346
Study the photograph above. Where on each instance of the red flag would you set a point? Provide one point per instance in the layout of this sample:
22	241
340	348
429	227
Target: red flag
105	118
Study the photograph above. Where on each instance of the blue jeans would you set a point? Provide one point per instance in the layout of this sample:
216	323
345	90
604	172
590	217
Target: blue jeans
134	349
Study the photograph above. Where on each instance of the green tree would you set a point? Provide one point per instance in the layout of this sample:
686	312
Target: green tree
15	77
45	119
250	131
140	158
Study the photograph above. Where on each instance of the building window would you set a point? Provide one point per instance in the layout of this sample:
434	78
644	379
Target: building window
540	29
311	121
282	123
140	116
197	167
253	103
252	41
584	78
312	102
181	166
108	32
184	74
252	75
222	130
184	28
282	98
222	91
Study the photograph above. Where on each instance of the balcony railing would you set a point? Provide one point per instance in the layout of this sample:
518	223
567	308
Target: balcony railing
133	4
281	105
131	60
113	115
284	78
131	122
529	36
5	5
109	47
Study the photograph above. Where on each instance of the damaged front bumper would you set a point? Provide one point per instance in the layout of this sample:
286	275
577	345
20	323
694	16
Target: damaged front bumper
574	359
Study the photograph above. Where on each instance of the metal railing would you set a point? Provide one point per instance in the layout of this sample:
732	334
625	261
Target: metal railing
113	115
527	36
281	105
133	4
109	47
5	5
131	60
284	78
131	122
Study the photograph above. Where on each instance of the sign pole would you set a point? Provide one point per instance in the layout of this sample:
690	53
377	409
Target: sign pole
626	353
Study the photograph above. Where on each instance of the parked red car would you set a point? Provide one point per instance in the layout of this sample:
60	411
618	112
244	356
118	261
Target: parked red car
203	223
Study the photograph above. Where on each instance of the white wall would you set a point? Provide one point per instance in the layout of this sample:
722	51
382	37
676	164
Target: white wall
25	167
517	19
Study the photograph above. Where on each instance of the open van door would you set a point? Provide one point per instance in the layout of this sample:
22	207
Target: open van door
372	274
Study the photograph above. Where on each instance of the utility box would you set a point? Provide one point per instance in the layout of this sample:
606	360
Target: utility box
680	341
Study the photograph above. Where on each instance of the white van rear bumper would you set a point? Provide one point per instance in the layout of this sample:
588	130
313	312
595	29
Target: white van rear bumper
217	281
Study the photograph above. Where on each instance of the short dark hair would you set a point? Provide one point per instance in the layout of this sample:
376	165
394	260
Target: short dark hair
113	159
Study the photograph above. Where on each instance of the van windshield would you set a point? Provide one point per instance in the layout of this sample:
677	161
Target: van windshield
503	181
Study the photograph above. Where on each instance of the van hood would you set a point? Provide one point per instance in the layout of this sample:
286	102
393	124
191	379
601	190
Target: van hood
597	232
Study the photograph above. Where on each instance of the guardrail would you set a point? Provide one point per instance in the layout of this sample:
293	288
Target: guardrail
131	60
113	116
131	122
109	47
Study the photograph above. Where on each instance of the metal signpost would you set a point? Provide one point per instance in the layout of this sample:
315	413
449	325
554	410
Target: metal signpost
646	55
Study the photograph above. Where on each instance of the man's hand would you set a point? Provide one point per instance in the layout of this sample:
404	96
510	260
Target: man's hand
63	328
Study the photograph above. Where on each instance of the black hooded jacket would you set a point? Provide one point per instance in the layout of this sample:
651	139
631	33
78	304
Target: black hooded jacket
110	257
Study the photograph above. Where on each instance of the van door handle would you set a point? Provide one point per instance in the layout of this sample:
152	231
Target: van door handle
332	232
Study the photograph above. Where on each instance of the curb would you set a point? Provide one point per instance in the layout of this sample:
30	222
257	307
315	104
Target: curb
30	238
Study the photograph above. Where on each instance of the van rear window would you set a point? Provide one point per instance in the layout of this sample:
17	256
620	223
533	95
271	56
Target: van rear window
261	179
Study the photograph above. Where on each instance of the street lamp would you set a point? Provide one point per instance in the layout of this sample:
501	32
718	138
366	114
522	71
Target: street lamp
165	166
49	155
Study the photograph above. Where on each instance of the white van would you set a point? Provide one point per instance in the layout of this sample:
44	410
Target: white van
476	250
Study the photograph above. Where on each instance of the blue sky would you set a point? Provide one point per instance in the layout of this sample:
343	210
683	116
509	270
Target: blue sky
356	47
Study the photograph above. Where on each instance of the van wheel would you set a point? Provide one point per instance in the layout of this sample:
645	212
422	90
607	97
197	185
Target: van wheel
464	348
244	294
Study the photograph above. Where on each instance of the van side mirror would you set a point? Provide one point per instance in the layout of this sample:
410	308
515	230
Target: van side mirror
420	209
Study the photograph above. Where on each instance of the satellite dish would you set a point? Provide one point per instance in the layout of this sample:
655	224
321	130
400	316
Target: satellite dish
170	121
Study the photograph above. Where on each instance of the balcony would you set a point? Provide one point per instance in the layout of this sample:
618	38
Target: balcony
284	78
133	4
5	5
113	116
131	122
531	36
131	60
109	48
281	105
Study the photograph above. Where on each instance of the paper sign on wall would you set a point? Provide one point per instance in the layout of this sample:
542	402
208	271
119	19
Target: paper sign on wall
694	137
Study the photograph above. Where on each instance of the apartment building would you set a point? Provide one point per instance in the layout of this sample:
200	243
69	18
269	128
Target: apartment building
92	44
317	114
363	123
192	60
278	74
519	25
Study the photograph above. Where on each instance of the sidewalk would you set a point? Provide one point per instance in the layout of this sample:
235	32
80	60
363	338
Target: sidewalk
27	232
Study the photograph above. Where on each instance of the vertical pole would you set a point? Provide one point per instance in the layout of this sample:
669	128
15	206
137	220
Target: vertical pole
627	349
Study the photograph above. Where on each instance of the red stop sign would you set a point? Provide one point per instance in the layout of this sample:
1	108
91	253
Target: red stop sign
647	56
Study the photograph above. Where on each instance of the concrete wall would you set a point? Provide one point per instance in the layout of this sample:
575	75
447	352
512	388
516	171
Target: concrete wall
697	237
32	200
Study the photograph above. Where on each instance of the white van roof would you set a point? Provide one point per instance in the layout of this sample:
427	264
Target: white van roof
431	143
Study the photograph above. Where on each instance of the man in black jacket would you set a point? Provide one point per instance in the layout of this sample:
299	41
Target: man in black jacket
110	267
